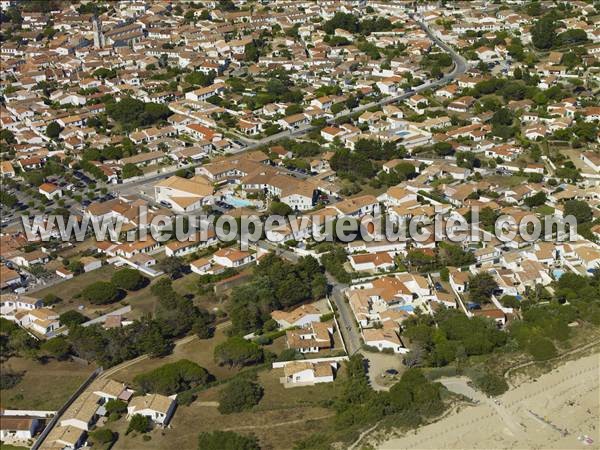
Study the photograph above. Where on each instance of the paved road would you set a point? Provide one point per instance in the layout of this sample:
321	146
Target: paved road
349	330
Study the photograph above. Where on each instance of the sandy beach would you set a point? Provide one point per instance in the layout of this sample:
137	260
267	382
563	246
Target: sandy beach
554	412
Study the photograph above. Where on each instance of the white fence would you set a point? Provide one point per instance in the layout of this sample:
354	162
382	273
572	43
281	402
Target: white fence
281	364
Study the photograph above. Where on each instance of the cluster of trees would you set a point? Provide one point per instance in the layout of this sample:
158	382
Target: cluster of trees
113	346
173	378
15	340
333	261
138	423
502	123
401	172
544	36
174	316
525	86
453	255
481	287
238	395
302	149
132	113
545	324
579	131
130	170
536	200
275	284
177	315
580	210
104	73
350	22
352	165
279	87
379	151
200	78
237	351
435	62
455	337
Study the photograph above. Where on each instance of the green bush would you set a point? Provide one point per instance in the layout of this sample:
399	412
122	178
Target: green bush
172	378
186	398
102	435
238	395
101	293
541	348
237	351
492	384
128	279
138	423
116	406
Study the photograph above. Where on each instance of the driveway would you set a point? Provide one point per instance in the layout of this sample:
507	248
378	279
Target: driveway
378	364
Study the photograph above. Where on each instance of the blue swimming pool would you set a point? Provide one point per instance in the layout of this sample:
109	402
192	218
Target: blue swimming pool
558	273
407	308
237	202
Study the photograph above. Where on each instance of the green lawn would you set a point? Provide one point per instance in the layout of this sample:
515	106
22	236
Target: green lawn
4	446
544	210
505	181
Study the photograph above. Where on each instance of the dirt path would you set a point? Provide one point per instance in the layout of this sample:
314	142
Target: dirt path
271	425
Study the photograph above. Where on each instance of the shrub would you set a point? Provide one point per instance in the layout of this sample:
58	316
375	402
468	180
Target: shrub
58	347
541	348
492	384
128	279
102	435
239	394
71	318
138	423
9	379
237	351
116	407
172	378
101	293
186	398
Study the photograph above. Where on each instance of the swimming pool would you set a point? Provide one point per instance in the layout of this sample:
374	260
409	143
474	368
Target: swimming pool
236	202
558	273
407	308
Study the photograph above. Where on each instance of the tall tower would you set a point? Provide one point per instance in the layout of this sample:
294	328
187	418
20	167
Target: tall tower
98	35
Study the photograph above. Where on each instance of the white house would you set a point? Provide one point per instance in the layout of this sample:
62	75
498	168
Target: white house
182	194
306	373
18	428
156	407
383	339
231	257
371	261
50	191
299	317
